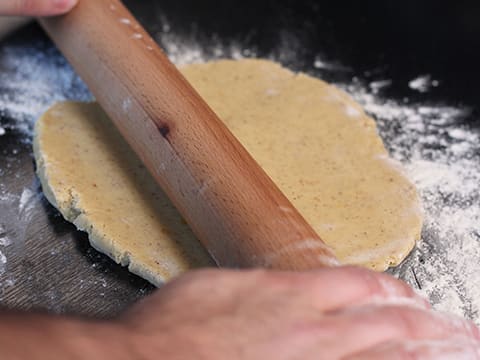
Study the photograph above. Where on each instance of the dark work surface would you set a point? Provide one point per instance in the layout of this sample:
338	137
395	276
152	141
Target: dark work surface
53	267
400	38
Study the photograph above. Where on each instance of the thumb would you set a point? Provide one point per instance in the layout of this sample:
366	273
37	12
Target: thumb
35	7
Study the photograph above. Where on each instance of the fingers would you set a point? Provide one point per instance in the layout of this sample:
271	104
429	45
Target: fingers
35	7
455	348
319	291
327	313
368	326
336	288
322	290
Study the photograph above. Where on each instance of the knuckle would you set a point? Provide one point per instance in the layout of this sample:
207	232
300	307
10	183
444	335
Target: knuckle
369	281
260	276
379	284
281	279
317	327
208	278
404	320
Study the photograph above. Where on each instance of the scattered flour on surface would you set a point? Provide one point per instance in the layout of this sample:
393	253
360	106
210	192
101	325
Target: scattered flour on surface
16	214
27	203
321	63
442	157
4	238
423	83
3	263
34	78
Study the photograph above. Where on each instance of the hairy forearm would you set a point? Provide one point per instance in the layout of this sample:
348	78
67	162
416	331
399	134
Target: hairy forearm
35	336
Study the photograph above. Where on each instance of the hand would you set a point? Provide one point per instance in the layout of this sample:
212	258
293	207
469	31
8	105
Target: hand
35	7
342	313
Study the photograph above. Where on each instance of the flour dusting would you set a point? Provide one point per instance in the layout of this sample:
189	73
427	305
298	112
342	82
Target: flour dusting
4	240
3	262
16	214
441	156
26	203
423	83
36	77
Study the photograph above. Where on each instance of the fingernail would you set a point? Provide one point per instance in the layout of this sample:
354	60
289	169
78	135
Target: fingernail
64	5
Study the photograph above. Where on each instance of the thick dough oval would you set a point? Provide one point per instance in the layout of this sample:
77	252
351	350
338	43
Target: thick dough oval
316	143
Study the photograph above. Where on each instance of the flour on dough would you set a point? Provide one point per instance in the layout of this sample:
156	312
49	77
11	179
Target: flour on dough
316	143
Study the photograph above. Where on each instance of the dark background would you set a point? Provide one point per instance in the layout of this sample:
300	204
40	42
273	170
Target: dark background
401	39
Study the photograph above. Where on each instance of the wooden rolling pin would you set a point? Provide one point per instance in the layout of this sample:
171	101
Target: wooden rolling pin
233	207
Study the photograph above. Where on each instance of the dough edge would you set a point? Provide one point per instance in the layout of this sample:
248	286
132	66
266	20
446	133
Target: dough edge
70	212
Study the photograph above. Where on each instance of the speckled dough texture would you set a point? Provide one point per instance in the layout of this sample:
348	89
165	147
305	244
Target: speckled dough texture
89	173
316	143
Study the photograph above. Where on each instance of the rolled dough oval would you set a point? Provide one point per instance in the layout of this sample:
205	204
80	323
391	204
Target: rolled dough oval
316	143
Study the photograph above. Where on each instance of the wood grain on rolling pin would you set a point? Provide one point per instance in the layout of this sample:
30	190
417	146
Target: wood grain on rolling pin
233	207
